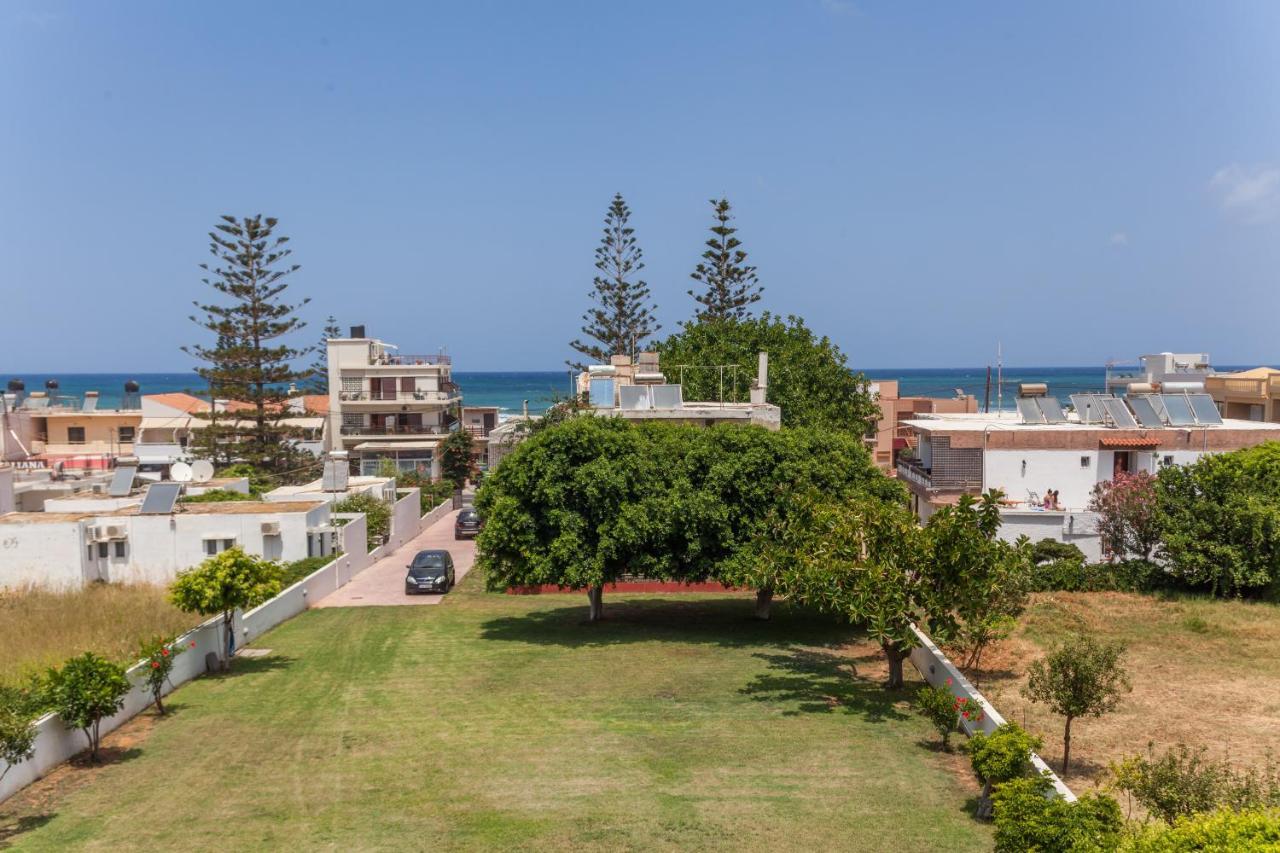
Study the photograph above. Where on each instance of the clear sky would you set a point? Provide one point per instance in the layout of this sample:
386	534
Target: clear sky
1091	181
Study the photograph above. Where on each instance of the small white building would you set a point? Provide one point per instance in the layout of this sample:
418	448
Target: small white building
383	488
67	549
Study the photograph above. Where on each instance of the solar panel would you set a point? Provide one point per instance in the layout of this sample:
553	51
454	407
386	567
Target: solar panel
1179	410
1119	413
1030	412
1147	414
122	481
1052	410
1084	410
667	396
602	392
160	499
90	404
1205	410
1157	403
633	397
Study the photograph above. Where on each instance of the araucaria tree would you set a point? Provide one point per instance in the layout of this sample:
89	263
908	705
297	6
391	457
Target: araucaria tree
621	315
222	584
319	370
1079	677
249	360
730	287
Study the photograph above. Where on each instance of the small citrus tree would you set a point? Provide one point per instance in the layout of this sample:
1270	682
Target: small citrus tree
17	733
158	654
1079	677
86	690
222	584
999	757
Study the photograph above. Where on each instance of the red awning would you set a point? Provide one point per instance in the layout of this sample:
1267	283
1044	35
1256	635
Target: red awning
1135	441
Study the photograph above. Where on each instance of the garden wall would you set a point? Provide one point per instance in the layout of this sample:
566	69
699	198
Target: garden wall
936	668
55	743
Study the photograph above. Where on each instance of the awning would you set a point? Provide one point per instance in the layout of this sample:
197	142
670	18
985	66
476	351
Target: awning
1136	442
389	446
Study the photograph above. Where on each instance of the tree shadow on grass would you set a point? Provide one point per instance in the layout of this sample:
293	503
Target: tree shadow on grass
720	621
11	829
107	757
241	666
813	681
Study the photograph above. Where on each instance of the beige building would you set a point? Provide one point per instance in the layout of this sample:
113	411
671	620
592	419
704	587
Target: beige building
892	433
1251	395
388	405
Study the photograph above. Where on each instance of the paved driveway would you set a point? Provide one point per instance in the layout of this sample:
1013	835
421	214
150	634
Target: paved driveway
382	584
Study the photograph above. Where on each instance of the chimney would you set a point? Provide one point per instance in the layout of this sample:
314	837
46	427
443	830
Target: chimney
357	331
760	389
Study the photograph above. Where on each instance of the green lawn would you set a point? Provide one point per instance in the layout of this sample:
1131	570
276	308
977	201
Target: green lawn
503	722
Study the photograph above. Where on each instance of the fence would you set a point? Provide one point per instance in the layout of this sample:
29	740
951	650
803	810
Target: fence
55	743
936	669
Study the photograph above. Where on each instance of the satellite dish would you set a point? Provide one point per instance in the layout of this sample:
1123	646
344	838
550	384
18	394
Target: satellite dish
202	470
180	472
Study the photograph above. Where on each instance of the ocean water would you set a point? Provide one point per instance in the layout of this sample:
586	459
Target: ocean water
509	389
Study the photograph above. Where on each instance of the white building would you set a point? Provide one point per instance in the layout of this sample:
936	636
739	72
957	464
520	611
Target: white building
67	549
1029	453
386	405
383	488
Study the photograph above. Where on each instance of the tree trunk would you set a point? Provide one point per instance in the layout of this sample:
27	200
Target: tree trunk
595	595
764	600
1066	747
984	802
159	704
228	640
895	657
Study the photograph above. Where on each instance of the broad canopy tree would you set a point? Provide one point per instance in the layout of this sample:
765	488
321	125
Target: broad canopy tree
222	584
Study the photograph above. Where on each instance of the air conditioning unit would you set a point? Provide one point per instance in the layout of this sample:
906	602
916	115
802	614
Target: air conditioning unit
270	528
117	531
99	533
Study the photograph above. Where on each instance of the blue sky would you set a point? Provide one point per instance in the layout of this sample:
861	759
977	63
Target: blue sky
1084	182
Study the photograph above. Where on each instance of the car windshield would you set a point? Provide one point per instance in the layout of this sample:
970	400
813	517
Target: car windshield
427	566
468	516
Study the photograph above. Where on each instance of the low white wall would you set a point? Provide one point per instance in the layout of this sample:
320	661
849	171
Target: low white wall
1074	528
936	668
55	743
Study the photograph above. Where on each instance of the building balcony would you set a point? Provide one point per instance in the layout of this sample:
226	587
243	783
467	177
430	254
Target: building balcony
394	429
433	398
913	471
397	359
1256	389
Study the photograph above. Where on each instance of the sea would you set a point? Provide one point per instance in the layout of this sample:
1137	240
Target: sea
509	390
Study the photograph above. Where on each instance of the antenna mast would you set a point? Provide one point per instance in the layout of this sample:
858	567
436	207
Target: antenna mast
999	380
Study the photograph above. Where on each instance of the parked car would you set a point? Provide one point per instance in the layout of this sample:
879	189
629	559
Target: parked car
467	524
430	571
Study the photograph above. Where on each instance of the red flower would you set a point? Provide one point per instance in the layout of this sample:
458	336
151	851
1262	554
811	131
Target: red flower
155	664
965	715
948	682
164	652
193	644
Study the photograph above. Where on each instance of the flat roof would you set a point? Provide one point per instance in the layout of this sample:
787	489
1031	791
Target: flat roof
218	508
978	422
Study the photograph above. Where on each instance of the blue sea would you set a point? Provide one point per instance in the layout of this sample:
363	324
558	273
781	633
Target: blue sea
509	389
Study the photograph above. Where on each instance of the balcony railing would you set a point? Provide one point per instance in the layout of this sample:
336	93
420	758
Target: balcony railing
913	471
394	429
398	396
1258	389
398	359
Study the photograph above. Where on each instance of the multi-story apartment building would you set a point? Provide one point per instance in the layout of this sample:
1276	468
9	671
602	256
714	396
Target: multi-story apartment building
386	405
1251	395
891	431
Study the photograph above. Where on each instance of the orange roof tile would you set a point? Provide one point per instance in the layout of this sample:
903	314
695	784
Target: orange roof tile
181	401
1129	441
318	403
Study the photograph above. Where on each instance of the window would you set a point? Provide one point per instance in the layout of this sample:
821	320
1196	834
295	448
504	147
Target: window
217	546
75	435
352	420
120	548
126	435
102	550
1084	461
1168	460
351	385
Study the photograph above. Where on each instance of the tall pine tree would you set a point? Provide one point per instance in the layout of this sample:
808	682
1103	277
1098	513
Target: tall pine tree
730	286
621	316
248	361
319	370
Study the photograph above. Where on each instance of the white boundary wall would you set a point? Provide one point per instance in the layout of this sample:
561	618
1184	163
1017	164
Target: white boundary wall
936	668
55	743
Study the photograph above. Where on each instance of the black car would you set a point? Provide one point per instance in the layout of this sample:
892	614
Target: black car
467	524
430	571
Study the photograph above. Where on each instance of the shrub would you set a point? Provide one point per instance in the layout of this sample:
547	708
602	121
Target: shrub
1060	567
377	515
1183	782
1237	832
939	707
223	583
999	757
431	492
158	654
291	573
17	728
1028	820
1126	508
259	480
84	691
216	496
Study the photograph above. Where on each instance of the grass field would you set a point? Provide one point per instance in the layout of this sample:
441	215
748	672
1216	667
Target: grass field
1204	672
504	722
42	628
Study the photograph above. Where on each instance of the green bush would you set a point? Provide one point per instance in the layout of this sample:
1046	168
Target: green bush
259	480
293	572
1184	782
216	496
431	493
17	728
1028	820
377	515
939	707
1000	757
86	690
1060	567
1222	832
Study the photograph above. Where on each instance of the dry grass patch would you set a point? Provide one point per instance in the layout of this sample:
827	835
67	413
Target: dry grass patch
40	628
1204	673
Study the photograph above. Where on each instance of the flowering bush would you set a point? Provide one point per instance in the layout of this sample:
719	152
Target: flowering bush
1127	520
944	711
158	654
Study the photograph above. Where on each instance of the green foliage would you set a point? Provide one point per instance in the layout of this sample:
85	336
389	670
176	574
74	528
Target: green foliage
808	376
431	493
1029	822
259	480
18	711
318	373
1002	755
377	515
1051	550
1060	567
291	573
621	319
216	496
1225	831
938	706
247	360
224	583
85	690
1078	677
158	655
1220	520
1127	519
455	457
730	287
1184	782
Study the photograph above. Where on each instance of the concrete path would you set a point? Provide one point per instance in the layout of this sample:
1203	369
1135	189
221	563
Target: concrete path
382	584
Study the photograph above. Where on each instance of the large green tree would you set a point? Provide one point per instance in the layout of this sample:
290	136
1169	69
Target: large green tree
319	370
456	461
1219	520
620	319
249	360
222	584
729	286
809	377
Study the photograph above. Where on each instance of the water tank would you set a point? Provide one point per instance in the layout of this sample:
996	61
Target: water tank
17	385
51	384
357	331
131	387
1033	389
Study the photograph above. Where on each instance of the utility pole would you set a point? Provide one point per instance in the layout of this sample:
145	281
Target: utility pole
999	379
986	397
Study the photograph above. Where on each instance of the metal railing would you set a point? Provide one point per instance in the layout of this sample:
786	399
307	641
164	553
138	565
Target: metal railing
394	429
397	396
1259	388
913	471
403	359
